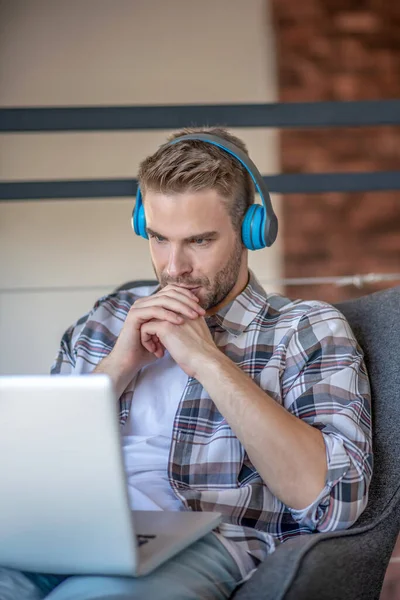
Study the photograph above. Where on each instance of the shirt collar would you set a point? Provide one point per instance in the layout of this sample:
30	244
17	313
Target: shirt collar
236	316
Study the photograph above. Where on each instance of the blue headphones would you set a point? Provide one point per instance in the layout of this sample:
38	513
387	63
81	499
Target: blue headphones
260	224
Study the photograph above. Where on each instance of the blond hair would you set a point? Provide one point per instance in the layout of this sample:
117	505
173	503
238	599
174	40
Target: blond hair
194	165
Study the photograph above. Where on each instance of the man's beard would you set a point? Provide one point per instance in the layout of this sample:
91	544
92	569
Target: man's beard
217	290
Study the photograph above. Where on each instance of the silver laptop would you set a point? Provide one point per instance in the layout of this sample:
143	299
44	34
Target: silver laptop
63	494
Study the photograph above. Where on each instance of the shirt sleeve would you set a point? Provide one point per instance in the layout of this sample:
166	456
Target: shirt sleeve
93	336
325	383
65	361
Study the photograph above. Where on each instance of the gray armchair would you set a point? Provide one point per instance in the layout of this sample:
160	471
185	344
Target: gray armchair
350	564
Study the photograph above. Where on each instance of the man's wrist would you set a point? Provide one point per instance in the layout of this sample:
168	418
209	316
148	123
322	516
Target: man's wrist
119	373
209	365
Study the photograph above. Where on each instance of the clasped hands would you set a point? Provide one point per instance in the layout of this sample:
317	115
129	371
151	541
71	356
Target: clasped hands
171	319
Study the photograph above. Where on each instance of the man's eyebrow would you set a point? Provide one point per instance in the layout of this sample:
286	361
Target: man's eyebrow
203	235
151	232
197	236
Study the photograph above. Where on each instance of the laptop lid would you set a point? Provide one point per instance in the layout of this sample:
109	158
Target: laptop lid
63	502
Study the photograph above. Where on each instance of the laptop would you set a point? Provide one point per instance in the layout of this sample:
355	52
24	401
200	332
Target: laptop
64	501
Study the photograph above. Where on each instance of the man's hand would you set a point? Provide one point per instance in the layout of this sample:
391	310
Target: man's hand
187	343
171	305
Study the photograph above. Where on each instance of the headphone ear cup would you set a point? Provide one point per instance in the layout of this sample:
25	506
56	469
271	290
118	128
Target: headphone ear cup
253	227
139	217
142	223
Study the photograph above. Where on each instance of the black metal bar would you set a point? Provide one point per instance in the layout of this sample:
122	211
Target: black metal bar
280	184
283	115
78	189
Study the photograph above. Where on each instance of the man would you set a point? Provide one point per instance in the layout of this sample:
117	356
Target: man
230	399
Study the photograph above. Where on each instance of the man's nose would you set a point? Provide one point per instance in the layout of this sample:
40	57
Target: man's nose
178	264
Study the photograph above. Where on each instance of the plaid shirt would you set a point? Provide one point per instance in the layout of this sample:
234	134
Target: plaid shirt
304	355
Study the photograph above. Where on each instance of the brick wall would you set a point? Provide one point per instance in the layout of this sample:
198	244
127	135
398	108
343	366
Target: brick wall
339	50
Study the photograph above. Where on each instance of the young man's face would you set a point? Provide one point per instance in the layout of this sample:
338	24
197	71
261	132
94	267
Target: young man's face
193	244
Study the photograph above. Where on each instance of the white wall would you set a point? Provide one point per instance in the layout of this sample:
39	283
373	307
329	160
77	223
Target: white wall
57	257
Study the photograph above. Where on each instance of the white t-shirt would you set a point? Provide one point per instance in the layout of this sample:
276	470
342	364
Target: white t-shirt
146	435
146	443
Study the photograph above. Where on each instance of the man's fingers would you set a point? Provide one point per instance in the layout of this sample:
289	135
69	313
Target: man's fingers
173	305
143	315
147	332
172	298
151	342
154	328
158	348
180	290
159	352
180	294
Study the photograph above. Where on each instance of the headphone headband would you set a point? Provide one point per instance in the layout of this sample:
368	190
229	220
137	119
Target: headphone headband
237	153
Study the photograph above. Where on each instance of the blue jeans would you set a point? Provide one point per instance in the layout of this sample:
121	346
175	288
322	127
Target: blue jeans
204	571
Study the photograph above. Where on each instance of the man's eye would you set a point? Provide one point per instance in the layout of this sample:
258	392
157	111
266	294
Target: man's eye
200	241
158	238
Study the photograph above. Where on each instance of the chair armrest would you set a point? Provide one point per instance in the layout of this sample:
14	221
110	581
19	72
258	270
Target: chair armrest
347	564
275	575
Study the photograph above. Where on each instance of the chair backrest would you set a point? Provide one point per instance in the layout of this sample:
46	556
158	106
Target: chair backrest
375	320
